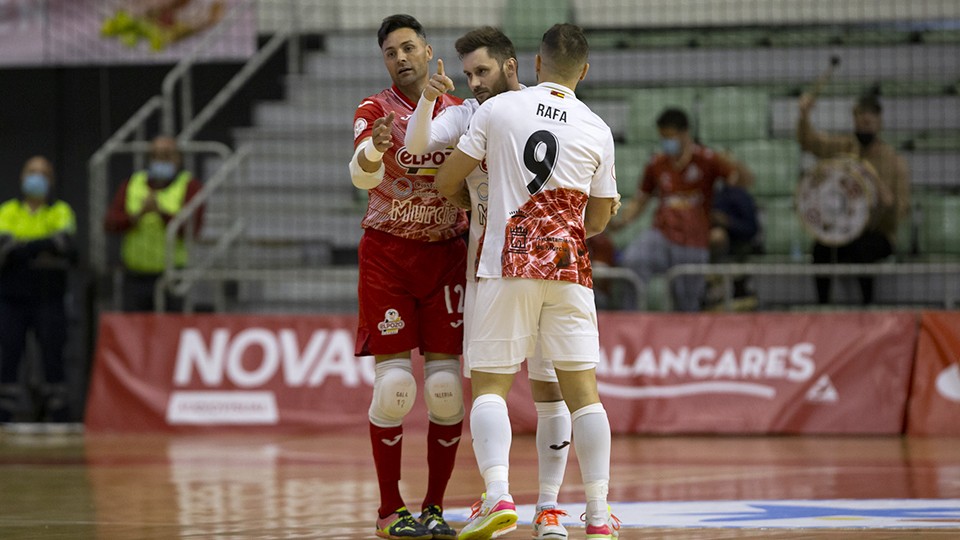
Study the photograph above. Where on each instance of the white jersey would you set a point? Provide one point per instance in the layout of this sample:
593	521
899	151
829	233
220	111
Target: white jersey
445	131
547	154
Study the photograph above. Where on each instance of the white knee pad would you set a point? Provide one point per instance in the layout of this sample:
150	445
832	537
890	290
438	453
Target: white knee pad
443	391
394	392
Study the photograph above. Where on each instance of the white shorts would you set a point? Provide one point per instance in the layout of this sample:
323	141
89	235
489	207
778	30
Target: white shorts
538	369
512	316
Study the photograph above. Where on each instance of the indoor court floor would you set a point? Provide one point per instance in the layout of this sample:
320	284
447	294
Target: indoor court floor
246	486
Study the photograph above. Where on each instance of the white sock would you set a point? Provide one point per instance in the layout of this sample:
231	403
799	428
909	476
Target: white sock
591	435
492	436
553	446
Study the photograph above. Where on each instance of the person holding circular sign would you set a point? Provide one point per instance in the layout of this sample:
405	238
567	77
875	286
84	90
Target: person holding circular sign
891	190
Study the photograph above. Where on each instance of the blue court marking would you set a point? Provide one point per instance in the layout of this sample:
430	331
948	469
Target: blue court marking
787	514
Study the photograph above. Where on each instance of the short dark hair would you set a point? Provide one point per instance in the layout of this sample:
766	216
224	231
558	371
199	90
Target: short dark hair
868	104
564	48
396	22
497	43
675	118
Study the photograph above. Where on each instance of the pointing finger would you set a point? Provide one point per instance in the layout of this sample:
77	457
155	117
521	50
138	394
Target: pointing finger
440	66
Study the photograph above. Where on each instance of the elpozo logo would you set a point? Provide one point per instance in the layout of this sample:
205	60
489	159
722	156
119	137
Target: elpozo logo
391	324
747	371
422	164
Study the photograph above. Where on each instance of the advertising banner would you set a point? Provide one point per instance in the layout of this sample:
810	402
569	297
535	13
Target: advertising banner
756	373
238	372
762	373
935	395
75	32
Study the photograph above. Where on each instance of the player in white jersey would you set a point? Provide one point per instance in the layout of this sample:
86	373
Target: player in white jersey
490	65
551	185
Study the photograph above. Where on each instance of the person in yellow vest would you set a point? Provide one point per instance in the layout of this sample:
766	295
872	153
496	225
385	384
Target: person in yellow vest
37	249
140	212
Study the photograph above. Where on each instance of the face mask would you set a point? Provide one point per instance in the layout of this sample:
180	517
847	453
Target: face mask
865	138
671	147
162	170
35	185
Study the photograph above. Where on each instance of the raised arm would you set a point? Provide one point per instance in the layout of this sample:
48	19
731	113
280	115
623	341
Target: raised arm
420	137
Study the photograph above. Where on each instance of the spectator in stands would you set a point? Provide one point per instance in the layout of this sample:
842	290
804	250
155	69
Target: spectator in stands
734	236
141	210
893	191
682	175
37	250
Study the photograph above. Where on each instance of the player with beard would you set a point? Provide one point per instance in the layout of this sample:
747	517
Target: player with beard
550	186
490	65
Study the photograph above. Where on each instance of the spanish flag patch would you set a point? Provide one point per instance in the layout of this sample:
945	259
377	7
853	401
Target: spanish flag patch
557	93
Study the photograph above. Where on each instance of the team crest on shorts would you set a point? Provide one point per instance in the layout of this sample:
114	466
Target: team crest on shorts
392	323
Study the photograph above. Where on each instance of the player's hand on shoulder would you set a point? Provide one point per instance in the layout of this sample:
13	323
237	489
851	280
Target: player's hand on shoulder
383	132
438	84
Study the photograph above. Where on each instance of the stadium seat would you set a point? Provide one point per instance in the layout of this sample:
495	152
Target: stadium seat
525	21
775	165
647	104
784	236
657	292
734	114
630	162
940	225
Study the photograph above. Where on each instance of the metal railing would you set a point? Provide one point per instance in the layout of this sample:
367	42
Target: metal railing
165	106
730	271
180	280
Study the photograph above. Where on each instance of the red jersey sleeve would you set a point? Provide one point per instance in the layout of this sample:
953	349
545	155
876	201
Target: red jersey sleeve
648	182
366	114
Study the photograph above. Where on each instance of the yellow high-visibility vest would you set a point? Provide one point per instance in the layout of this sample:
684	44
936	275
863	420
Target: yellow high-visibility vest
144	246
18	220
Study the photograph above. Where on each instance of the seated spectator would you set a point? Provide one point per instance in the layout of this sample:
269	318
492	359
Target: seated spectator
682	176
734	236
36	251
141	210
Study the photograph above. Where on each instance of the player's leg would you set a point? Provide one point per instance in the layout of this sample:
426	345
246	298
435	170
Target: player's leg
443	394
569	337
553	446
440	317
504	331
387	330
495	514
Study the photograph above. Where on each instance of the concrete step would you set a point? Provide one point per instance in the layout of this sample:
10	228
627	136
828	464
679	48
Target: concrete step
338	230
899	114
292	170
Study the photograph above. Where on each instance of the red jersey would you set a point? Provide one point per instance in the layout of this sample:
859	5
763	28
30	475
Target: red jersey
686	195
407	203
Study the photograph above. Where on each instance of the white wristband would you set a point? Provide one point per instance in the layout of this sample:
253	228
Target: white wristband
370	151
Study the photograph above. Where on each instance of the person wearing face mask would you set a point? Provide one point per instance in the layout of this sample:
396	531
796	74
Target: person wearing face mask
37	250
140	212
682	176
893	188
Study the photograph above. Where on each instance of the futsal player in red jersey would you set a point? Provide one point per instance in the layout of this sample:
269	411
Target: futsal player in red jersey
412	261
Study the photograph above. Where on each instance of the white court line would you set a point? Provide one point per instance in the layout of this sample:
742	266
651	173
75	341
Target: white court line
788	514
